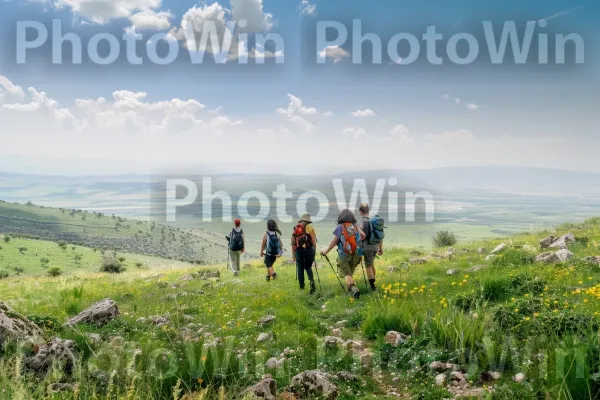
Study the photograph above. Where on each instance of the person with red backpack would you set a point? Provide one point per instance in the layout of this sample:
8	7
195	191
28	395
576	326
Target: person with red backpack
304	244
348	238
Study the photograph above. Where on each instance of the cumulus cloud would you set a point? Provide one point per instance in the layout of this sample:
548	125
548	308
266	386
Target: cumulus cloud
151	20
472	107
335	53
102	11
251	12
364	113
354	133
296	112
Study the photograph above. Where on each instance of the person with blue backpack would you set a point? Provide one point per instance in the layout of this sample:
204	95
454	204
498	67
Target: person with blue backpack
373	242
236	246
271	248
348	238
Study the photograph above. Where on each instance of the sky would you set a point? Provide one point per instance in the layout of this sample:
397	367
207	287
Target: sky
313	106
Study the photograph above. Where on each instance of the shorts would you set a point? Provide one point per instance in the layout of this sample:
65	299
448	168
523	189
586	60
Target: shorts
370	251
270	260
347	264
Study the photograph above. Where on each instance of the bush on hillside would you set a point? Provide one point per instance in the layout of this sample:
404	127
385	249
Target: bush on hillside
111	265
444	239
4	274
54	272
6	239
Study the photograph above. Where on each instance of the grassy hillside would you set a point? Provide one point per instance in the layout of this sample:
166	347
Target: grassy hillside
111	233
25	257
511	315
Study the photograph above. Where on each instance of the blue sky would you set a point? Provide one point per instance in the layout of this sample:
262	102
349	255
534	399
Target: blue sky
420	115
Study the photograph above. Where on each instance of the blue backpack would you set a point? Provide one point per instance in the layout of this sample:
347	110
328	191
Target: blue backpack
377	225
273	245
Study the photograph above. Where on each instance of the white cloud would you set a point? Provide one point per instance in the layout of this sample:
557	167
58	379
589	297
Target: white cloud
251	11
446	96
296	112
152	20
336	53
102	11
327	114
472	107
307	8
354	133
364	113
400	133
457	100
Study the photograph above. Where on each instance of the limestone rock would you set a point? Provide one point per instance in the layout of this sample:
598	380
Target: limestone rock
314	383
14	326
99	314
499	249
394	338
265	389
57	352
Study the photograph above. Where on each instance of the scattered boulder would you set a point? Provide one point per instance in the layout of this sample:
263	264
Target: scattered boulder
491	376
341	324
57	352
481	250
440	380
490	257
353	345
593	259
265	389
264	337
337	332
332	342
266	320
499	249
347	376
274	363
520	377
314	383
186	278
99	314
546	242
451	272
159	320
392	269
205	275
14	326
563	242
94	338
554	258
440	366
418	261
475	268
394	338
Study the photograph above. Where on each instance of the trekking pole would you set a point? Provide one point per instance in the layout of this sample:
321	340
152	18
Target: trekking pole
364	274
318	277
335	273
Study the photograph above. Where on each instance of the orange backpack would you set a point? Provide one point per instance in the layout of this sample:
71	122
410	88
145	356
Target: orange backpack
350	238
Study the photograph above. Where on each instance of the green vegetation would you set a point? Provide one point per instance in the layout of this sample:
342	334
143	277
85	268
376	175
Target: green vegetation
444	239
181	333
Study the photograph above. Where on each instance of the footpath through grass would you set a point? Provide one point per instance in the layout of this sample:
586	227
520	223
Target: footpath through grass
183	335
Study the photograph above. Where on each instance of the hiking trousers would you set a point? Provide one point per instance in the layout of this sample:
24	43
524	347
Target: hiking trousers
234	259
304	261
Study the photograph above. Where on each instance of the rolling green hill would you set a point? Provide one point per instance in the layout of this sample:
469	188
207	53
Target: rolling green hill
111	233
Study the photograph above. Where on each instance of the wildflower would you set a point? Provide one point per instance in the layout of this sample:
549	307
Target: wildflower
516	310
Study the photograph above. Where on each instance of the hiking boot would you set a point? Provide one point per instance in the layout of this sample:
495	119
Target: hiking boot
236	273
355	291
313	288
268	278
274	276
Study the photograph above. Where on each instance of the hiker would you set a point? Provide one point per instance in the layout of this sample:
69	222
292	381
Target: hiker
373	243
304	245
272	244
236	247
347	237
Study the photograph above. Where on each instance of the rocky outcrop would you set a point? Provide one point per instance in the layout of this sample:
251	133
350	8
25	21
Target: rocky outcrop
14	326
499	249
99	314
265	389
555	258
563	242
394	338
57	353
266	320
314	383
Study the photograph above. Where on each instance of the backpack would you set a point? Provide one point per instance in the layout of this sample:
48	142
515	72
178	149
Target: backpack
300	238
376	227
350	238
237	240
273	248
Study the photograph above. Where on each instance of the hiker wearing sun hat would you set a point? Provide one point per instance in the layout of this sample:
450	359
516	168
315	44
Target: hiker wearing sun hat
304	245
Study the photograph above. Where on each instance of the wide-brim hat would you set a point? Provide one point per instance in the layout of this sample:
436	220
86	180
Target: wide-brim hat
305	218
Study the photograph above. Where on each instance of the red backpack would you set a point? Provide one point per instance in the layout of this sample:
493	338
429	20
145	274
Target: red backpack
300	238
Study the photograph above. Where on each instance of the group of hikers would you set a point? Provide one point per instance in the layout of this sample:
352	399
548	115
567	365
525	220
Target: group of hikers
355	241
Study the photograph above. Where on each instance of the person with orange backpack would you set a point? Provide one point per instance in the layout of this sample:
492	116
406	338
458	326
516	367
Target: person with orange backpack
348	238
304	244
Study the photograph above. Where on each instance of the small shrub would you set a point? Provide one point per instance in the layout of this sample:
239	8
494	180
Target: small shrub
22	249
111	265
18	270
44	260
121	259
4	274
77	257
444	239
139	265
54	272
6	239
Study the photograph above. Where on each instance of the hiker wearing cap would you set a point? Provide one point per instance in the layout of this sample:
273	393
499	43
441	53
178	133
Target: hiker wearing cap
271	248
347	236
304	244
373	243
236	247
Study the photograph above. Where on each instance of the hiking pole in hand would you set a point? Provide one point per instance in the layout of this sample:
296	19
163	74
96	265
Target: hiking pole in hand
335	273
364	275
318	277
